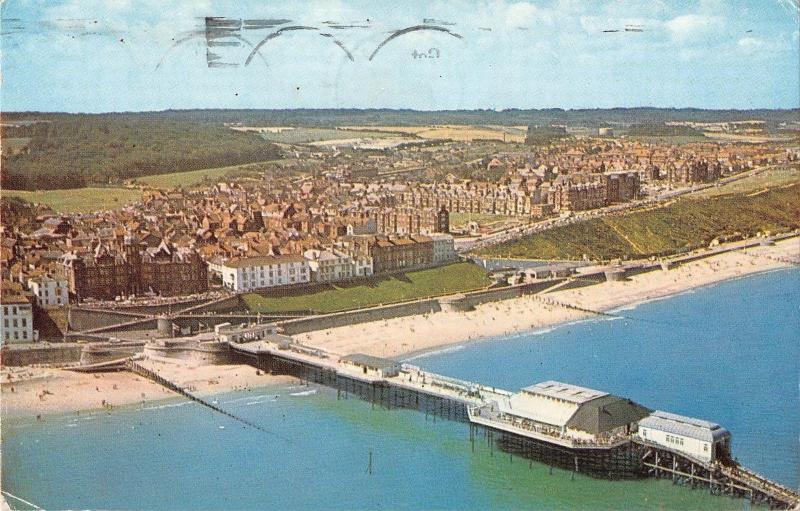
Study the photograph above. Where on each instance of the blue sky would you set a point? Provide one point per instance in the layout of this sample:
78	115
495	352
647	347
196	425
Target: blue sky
118	55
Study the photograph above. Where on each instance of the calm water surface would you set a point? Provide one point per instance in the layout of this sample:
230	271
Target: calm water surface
727	353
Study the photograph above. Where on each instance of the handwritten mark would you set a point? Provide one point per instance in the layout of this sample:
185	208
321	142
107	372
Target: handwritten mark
415	28
432	53
283	30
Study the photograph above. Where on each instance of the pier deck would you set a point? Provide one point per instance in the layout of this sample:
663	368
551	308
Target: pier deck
476	404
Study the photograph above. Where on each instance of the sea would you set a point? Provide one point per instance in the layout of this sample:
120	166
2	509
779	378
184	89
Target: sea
727	353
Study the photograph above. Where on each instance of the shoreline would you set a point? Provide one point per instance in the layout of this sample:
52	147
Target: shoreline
46	391
38	392
456	346
412	336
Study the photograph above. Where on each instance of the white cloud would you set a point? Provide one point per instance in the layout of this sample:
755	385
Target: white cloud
523	14
690	26
751	44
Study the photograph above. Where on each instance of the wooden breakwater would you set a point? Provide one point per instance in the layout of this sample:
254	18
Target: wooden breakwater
144	372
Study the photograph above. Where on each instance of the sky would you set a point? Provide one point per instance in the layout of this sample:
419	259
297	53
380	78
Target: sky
137	55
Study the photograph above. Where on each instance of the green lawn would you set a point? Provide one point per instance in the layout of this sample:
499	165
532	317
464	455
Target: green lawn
462	219
194	177
443	280
306	135
79	200
686	224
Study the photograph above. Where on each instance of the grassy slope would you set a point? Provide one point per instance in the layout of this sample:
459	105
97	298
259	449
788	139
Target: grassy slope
462	219
443	280
305	135
686	224
82	200
190	178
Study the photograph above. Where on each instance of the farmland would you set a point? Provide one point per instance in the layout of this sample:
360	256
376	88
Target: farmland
300	135
192	178
454	132
83	200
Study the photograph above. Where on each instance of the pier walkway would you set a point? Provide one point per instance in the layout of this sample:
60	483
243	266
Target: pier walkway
720	478
398	385
409	377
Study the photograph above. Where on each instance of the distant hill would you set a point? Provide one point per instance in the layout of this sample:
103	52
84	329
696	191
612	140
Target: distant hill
663	130
77	150
544	135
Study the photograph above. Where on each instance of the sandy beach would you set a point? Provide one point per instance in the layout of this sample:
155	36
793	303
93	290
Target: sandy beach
396	338
43	391
39	391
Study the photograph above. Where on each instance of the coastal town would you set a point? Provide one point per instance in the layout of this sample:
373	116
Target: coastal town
344	260
331	255
335	215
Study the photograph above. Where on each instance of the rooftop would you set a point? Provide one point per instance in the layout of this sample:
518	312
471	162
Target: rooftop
369	361
685	426
564	391
246	262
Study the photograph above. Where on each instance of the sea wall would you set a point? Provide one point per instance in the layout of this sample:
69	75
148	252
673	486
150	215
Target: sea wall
307	324
82	318
201	353
95	354
162	308
233	303
40	353
465	301
476	298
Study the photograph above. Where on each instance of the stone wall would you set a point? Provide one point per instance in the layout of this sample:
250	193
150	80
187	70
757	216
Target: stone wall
233	303
153	309
476	298
61	353
460	302
81	318
298	326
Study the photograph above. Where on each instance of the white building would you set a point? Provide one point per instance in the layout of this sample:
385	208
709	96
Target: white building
226	332
563	411
332	265
248	273
372	367
699	439
16	318
443	248
49	291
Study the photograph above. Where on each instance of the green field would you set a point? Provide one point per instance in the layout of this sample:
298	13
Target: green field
195	177
685	224
772	178
306	135
454	278
79	200
462	219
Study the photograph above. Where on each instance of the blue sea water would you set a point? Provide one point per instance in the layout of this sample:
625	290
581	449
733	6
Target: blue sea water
727	353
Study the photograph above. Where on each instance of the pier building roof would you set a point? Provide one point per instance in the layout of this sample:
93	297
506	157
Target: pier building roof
606	413
685	426
564	392
567	406
369	361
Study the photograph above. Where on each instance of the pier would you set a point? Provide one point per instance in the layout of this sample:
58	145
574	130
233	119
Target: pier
509	421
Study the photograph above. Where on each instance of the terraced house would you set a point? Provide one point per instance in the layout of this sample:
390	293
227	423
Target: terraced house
108	272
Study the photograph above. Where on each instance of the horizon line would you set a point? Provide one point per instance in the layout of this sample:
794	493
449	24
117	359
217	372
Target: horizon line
414	110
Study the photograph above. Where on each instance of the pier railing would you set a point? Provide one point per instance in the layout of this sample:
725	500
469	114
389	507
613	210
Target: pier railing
486	416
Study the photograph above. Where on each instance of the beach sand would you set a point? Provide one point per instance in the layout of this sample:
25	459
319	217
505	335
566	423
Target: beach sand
40	391
395	338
